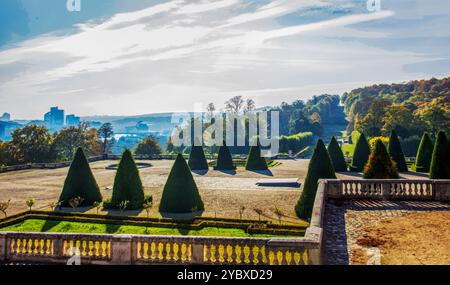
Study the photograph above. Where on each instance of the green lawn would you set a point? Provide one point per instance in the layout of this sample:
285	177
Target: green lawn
36	225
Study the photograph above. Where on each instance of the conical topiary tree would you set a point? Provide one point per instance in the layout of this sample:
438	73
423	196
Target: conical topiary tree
225	160
180	193
80	182
361	154
336	155
320	167
255	161
396	152
440	162
424	154
197	159
380	164
128	184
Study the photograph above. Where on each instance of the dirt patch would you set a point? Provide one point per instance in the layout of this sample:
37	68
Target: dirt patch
413	239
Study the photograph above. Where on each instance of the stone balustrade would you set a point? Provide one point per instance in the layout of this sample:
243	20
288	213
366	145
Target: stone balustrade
135	249
388	189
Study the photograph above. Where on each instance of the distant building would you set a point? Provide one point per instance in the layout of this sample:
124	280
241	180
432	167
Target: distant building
54	119
6	128
6	117
72	120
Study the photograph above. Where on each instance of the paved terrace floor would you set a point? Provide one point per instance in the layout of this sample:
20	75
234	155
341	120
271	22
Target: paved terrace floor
399	232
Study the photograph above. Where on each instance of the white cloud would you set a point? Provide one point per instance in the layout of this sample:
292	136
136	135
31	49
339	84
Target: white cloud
195	51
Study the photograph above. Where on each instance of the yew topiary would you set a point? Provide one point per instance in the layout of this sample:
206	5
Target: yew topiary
337	156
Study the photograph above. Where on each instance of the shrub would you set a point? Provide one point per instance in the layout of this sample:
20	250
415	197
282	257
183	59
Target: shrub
255	161
320	167
424	154
295	143
127	184
180	194
336	155
361	154
224	160
396	152
380	164
373	142
440	163
197	159
80	182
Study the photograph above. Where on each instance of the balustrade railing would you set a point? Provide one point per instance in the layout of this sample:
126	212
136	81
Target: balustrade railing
124	249
390	189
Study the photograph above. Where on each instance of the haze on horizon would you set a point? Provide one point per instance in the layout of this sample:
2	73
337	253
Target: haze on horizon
149	56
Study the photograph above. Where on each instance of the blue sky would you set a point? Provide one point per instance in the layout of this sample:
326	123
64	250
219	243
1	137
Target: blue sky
141	56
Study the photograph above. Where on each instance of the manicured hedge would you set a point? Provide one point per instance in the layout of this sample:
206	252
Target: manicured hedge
224	160
80	182
337	156
424	154
396	152
197	159
255	162
127	184
320	167
440	162
380	164
295	143
361	154
180	194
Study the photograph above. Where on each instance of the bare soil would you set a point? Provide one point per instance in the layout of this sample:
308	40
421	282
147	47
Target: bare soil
414	239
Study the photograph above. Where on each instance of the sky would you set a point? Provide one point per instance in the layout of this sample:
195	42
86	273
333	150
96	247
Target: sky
117	57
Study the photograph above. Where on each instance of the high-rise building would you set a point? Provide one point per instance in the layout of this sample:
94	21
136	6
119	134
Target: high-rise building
55	118
5	117
72	120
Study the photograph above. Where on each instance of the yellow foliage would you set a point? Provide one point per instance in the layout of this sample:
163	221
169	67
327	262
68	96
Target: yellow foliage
373	141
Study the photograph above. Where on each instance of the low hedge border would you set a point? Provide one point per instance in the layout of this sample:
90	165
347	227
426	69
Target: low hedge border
250	226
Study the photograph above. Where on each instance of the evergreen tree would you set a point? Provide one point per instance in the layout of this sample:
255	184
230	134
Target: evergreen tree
320	167
380	164
225	160
361	154
255	162
197	159
336	155
440	162
80	182
396	152
128	184
180	194
424	154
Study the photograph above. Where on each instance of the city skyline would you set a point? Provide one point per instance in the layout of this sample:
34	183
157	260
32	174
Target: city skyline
166	56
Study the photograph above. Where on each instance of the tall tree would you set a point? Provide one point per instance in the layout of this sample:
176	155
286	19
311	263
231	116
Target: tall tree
250	105
69	139
31	144
149	146
235	104
396	152
105	133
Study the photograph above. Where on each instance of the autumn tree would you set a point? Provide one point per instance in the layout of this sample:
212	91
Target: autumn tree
105	133
31	144
149	146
